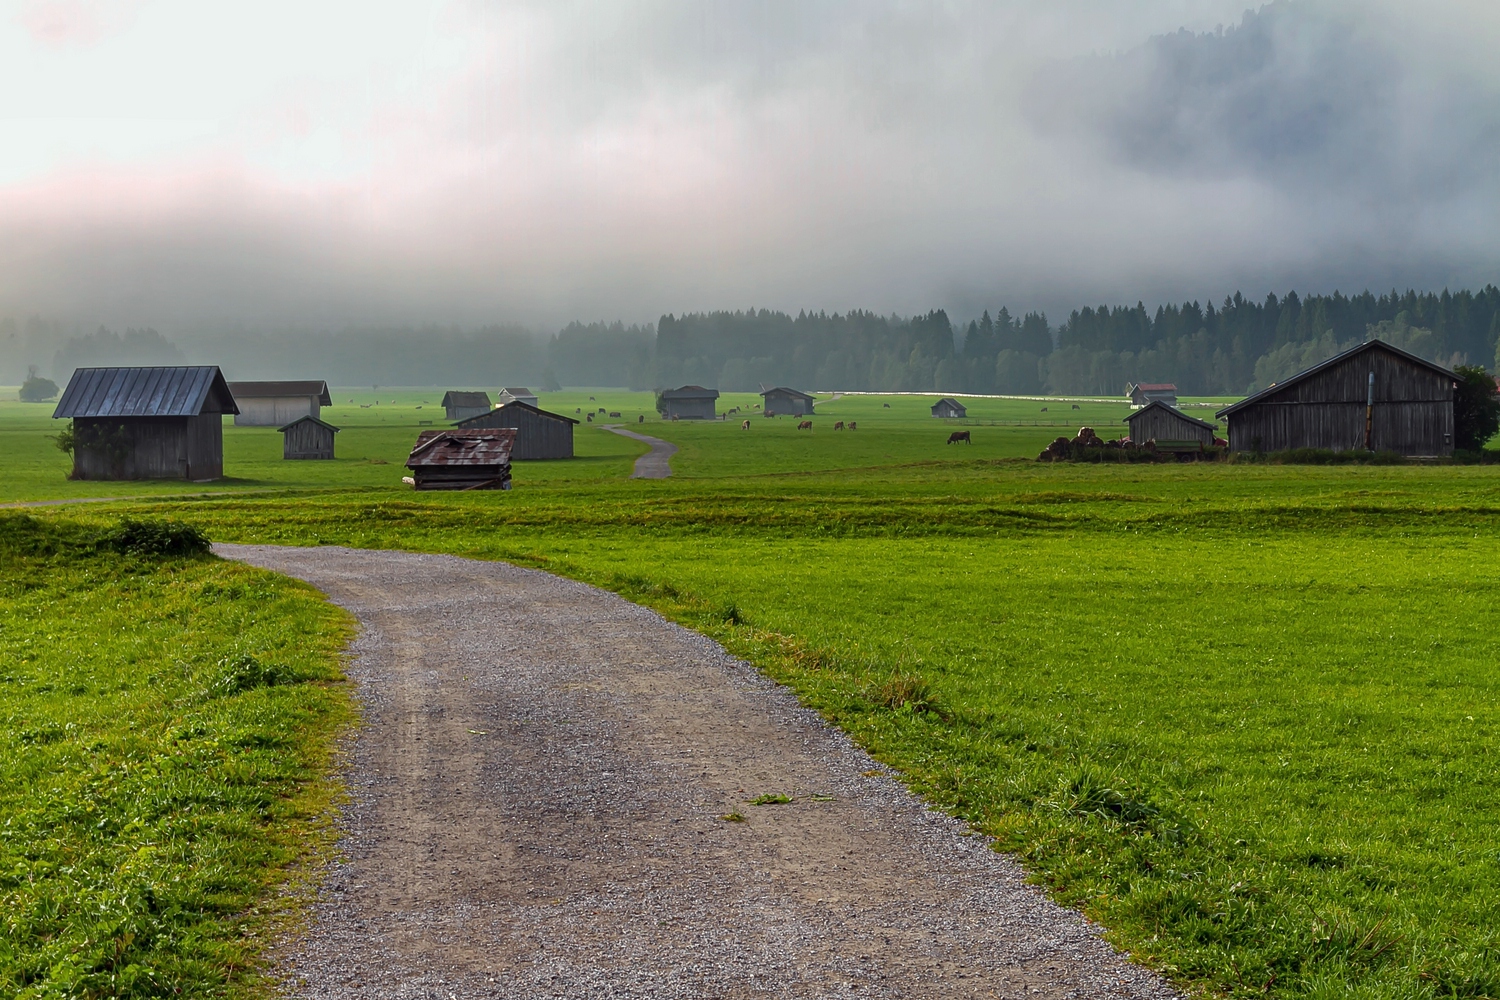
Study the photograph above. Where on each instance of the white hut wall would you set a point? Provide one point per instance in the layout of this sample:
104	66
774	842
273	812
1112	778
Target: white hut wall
275	411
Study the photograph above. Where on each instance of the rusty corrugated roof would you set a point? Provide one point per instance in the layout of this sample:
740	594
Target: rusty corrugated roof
463	446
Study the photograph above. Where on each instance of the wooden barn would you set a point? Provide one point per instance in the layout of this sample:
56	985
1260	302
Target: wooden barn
463	405
147	423
789	402
1169	427
691	402
307	437
539	434
949	407
1373	396
516	395
1141	393
275	404
462	459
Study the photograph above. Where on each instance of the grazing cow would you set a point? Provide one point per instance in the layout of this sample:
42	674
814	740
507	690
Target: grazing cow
615	413
745	426
805	425
852	425
589	417
601	409
839	426
1075	406
886	405
957	436
641	419
1044	409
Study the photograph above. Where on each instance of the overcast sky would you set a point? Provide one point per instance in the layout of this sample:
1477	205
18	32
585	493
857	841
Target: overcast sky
179	163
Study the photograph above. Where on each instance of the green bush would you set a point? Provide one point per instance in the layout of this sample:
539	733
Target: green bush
152	537
38	390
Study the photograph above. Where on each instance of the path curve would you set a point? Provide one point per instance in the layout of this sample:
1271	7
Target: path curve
656	463
537	793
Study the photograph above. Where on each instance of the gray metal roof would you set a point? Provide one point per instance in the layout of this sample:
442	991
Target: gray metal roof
455	397
1157	404
790	392
515	404
186	391
1368	345
690	392
261	390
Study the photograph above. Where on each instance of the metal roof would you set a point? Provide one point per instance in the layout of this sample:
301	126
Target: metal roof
789	392
522	392
1155	386
260	390
186	391
1157	404
309	420
950	401
467	446
455	398
519	404
1368	345
690	392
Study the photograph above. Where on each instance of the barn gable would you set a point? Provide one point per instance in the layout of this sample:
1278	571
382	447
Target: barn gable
539	433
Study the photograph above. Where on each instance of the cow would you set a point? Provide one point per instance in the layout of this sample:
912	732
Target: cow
886	405
1075	406
1044	409
805	425
839	426
745	426
852	425
589	417
957	436
641	419
614	413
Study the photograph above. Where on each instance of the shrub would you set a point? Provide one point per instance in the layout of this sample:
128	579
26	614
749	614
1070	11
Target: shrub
158	538
38	390
1476	408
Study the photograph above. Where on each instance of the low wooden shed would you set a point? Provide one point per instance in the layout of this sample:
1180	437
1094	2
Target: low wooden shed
468	458
1141	393
791	402
147	423
1169	427
1373	396
690	402
539	434
949	407
307	437
275	404
463	405
516	394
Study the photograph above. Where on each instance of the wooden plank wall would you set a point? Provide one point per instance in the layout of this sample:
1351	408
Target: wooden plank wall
154	448
537	437
307	440
1159	425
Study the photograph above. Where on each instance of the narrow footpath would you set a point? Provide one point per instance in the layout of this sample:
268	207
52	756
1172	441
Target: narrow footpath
656	463
546	797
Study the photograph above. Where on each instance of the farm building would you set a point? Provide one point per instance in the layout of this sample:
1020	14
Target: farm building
307	437
1141	393
147	423
790	402
691	402
539	434
949	407
516	395
1372	396
462	459
274	404
463	405
1169	427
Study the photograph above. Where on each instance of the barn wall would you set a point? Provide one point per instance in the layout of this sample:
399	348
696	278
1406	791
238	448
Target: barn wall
460	477
791	406
151	448
205	447
691	409
307	440
275	411
465	412
1413	412
538	437
1160	425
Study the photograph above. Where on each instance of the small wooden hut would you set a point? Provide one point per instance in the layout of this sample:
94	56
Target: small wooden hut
463	405
307	437
513	394
790	402
1141	393
691	402
539	434
462	459
1170	428
275	404
1373	396
147	423
948	407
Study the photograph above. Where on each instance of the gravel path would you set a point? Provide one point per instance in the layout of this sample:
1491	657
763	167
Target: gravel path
656	463
538	792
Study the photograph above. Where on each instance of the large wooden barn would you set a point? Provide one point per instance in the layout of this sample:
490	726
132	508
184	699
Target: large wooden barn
539	434
790	402
463	405
691	402
462	459
1169	427
276	404
307	438
1373	396
147	423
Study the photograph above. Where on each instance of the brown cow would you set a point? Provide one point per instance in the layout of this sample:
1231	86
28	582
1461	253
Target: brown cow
853	425
1076	406
886	405
959	436
745	426
839	426
1044	409
642	419
805	425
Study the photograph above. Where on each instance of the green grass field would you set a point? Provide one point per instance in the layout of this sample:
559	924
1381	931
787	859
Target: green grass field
1243	715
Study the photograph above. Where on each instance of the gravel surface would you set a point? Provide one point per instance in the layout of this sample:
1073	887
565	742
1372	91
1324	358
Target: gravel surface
539	792
656	463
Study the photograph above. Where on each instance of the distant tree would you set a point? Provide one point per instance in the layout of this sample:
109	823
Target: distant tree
550	382
37	389
1476	408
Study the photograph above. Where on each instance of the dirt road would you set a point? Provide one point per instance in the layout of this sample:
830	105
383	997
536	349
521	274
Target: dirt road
538	793
656	463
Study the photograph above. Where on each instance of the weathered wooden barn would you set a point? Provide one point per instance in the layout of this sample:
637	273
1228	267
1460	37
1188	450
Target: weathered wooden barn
462	459
691	402
275	404
1373	396
147	423
307	437
949	407
463	405
1141	393
1169	427
790	402
516	395
539	434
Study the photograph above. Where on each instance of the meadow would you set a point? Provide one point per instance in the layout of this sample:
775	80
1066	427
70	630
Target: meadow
1244	716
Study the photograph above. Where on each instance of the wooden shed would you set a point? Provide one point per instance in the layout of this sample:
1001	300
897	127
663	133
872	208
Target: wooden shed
1141	393
1169	427
539	434
691	402
147	423
790	402
307	437
515	394
949	407
462	459
463	405
1373	396
275	404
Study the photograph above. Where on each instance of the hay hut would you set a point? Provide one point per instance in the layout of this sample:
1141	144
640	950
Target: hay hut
307	437
463	405
275	404
791	402
1170	428
948	407
539	434
462	459
691	402
1141	393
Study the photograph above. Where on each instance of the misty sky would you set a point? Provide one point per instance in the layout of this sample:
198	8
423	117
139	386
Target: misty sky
178	163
